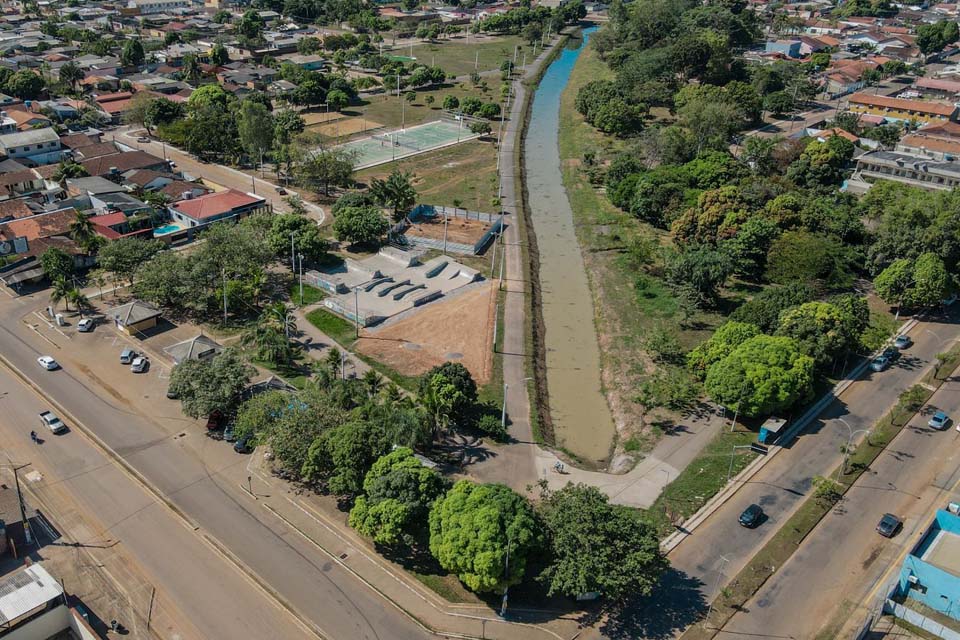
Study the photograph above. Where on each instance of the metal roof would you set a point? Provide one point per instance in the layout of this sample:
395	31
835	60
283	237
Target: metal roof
26	590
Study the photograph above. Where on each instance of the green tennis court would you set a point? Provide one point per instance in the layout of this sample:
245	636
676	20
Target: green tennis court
403	143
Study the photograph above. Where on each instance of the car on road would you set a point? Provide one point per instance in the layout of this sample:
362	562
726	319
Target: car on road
903	342
751	516
889	525
127	356
139	364
172	394
143	139
50	420
949	301
244	444
891	354
880	363
85	325
939	421
281	190
229	434
48	363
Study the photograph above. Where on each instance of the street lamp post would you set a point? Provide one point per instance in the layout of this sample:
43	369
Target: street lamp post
356	309
733	451
506	575
301	278
503	411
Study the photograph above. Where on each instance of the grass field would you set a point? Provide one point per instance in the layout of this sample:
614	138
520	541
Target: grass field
311	294
462	175
458	57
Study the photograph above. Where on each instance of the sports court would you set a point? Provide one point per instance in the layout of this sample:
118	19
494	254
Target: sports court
403	143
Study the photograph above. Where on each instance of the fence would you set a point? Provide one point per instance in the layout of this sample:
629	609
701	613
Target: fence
920	620
399	235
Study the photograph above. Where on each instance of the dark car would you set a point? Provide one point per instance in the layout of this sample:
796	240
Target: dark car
751	516
244	444
215	421
889	525
172	394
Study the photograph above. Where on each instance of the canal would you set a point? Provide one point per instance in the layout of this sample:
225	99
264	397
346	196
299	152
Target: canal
582	421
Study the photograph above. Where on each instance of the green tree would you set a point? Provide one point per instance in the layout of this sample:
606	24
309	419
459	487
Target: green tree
255	126
287	124
124	256
219	55
822	330
701	270
61	291
450	103
799	256
341	457
764	375
161	111
725	339
919	283
212	384
396	191
190	68
320	169
597	546
360	225
778	103
209	96
459	376
24	84
57	263
70	73
474	526
337	100
67	169
822	164
399	491
250	25
270	335
132	54
308	238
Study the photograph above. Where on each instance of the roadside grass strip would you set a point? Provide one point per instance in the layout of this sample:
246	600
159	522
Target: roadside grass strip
821	500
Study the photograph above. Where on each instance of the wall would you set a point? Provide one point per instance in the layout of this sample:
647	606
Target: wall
50	623
936	588
923	622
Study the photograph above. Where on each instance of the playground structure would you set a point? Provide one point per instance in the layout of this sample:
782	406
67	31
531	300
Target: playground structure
448	229
410	141
369	291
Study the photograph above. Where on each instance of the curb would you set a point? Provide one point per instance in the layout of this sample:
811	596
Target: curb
686	529
137	477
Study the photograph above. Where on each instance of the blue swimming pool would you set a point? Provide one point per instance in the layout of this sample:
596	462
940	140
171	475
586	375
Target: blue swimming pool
167	228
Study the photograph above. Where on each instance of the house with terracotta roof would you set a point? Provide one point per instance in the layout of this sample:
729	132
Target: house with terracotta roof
901	109
116	224
215	207
20	183
15	209
114	104
111	166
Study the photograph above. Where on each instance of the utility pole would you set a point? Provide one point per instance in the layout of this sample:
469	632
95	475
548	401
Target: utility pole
356	309
301	279
293	262
27	534
506	575
503	411
476	62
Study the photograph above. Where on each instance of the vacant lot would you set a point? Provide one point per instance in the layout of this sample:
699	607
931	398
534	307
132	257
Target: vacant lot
459	329
458	57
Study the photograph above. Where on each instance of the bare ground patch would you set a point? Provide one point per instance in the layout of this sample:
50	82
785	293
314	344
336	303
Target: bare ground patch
459	329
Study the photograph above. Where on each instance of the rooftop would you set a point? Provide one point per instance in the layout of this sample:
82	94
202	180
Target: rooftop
196	348
216	204
30	136
133	312
919	106
24	591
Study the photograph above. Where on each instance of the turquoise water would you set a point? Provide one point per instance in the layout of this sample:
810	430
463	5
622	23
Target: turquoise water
168	228
581	417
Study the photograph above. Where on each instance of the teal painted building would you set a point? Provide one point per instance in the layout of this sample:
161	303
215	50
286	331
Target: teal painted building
931	571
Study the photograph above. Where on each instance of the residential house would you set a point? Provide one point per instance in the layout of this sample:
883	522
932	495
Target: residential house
29	237
116	225
114	104
912	169
34	146
900	109
17	184
937	88
150	7
112	166
930	575
222	205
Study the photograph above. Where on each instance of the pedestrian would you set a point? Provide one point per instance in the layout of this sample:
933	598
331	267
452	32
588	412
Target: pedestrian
33	436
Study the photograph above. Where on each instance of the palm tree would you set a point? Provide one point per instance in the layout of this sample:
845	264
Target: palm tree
71	74
69	169
271	335
334	360
76	297
396	191
191	69
81	228
61	292
373	381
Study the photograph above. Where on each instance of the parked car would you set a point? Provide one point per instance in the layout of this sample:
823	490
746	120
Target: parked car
229	434
889	525
891	354
143	139
281	190
880	363
50	420
903	342
48	363
939	421
214	421
751	516
85	325
171	394
949	300
127	356
139	364
244	444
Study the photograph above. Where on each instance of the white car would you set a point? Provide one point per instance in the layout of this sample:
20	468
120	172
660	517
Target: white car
139	364
48	363
85	325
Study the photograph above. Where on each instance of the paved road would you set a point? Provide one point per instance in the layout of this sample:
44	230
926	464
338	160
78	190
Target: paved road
213	595
844	556
781	486
332	599
220	174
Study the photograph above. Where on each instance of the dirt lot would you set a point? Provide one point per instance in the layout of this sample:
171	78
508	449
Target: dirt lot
459	329
311	118
344	128
459	230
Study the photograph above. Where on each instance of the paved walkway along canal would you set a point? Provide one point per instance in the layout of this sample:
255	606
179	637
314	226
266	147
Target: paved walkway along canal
581	417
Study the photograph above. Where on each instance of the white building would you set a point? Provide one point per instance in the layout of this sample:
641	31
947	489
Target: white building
147	7
40	145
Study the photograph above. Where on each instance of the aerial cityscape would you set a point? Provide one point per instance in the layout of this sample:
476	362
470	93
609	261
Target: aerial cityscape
524	319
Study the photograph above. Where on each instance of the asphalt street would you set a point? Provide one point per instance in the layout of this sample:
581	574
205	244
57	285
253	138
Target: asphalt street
337	604
212	593
845	556
720	547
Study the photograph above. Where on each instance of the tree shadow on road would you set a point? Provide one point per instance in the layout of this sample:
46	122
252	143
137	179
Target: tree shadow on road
675	604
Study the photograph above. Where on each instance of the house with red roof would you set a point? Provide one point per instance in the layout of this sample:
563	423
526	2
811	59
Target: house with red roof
215	207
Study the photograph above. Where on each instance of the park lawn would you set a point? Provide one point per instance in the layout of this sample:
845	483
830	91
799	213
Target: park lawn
390	112
458	57
463	175
627	301
311	294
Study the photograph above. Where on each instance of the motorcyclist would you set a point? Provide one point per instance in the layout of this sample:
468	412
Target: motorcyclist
33	436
